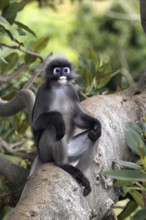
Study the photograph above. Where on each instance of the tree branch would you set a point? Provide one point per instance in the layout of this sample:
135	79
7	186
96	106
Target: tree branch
8	148
25	98
18	47
15	175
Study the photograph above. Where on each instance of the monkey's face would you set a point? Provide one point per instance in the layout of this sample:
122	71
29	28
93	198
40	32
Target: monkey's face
59	70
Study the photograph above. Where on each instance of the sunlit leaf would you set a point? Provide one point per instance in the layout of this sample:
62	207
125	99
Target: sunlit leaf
127	164
138	197
40	44
102	80
87	77
126	175
142	149
94	57
128	210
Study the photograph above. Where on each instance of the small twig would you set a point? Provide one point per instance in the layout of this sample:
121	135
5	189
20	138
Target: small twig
82	94
15	74
37	72
18	47
8	149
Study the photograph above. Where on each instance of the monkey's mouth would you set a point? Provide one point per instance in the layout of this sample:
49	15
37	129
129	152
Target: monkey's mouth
62	79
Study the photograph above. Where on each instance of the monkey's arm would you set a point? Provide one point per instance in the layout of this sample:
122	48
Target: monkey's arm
85	121
46	120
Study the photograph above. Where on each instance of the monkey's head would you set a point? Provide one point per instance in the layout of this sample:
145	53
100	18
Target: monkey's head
59	69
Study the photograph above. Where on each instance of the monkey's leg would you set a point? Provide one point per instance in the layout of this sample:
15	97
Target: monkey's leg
83	149
61	160
52	150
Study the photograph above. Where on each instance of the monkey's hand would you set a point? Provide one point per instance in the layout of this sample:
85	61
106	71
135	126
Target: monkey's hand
47	119
57	121
95	133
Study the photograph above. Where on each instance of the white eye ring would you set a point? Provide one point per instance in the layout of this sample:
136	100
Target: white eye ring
56	70
66	70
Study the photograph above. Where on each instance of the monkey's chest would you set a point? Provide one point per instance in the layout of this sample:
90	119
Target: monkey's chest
62	103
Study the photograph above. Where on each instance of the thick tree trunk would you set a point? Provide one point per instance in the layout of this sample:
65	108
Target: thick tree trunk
52	194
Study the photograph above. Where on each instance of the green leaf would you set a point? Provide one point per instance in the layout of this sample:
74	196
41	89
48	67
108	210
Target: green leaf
142	149
140	215
94	57
40	44
11	11
132	139
126	175
6	32
87	77
136	126
91	68
128	210
127	164
103	79
26	28
138	197
11	60
122	183
3	20
36	47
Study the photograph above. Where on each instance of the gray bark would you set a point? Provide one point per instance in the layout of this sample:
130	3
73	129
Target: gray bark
15	175
52	194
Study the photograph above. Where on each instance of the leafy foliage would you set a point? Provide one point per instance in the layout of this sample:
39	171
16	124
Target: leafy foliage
96	73
112	34
133	178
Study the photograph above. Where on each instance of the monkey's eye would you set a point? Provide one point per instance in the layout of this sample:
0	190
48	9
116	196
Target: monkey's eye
66	70
56	70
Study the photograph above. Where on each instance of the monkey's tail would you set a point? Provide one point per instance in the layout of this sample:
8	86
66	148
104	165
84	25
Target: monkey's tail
79	176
